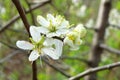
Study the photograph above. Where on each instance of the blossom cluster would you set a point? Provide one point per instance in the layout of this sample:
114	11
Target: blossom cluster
46	39
114	17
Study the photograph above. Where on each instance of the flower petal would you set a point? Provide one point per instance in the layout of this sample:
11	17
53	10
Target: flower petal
81	30
62	31
34	33
71	44
42	21
50	52
50	17
58	47
24	45
68	41
52	34
42	30
48	42
34	55
64	24
78	41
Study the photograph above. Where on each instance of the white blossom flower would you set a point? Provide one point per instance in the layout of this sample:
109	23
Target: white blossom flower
73	38
114	17
41	45
53	26
82	11
80	30
90	23
76	2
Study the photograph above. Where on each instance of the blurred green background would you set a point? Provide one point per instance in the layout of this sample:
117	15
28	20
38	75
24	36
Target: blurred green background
14	64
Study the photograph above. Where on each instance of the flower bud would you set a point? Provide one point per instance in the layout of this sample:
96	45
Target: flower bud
80	30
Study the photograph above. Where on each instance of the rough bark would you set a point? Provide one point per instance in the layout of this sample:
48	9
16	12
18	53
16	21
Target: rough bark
101	24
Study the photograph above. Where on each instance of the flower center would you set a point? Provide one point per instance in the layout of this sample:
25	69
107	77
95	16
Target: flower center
38	45
52	27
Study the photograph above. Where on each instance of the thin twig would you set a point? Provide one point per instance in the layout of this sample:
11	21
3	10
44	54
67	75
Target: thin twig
115	26
34	67
93	70
101	25
112	50
75	58
17	31
57	69
24	19
8	57
10	46
22	14
31	13
14	19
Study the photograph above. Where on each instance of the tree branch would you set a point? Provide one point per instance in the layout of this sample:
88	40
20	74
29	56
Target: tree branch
75	58
115	26
24	19
14	19
57	69
10	46
101	25
93	70
22	14
31	13
9	56
112	50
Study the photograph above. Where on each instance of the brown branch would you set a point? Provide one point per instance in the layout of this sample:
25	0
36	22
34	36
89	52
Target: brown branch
14	19
115	26
90	28
17	50
101	25
10	46
57	69
38	5
17	31
112	50
93	70
24	19
9	56
34	70
75	58
31	13
22	14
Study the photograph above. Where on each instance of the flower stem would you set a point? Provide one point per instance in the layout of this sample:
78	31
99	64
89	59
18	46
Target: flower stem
34	70
24	19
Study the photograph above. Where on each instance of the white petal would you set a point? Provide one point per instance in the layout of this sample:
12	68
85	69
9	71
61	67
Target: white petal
50	17
48	42
24	45
62	31
42	30
78	41
53	34
64	24
71	44
81	30
50	52
34	55
68	41
34	33
42	21
58	46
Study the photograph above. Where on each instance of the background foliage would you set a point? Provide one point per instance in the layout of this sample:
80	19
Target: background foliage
18	67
